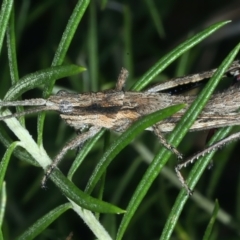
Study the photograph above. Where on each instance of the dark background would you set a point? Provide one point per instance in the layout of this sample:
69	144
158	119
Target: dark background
39	27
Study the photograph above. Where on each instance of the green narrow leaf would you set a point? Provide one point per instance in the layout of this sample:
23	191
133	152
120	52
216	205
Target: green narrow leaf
183	64
6	9
174	54
125	139
1	235
11	46
3	203
41	224
67	37
3	168
40	77
100	193
210	226
81	198
156	17
19	153
12	57
5	161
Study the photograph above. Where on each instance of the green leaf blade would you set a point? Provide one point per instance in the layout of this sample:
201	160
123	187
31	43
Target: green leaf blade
41	224
174	54
39	78
81	198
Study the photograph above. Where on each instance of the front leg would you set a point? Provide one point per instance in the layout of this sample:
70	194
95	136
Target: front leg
78	140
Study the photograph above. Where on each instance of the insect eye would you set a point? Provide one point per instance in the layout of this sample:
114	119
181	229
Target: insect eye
65	107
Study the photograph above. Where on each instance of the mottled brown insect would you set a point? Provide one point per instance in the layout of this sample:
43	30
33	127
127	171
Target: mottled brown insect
117	109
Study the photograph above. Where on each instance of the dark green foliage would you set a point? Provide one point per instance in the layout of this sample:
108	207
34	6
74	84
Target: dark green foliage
46	46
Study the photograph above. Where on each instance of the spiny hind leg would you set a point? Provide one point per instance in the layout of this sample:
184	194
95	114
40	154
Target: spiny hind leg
195	157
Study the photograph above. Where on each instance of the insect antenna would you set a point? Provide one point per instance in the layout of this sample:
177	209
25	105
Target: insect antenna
28	102
39	103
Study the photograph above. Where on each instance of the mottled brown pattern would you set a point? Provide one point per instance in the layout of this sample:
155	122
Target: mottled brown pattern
117	109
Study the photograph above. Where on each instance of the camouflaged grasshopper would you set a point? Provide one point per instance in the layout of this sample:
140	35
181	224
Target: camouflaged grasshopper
117	109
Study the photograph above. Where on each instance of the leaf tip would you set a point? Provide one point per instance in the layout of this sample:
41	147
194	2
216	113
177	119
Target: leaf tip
82	69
